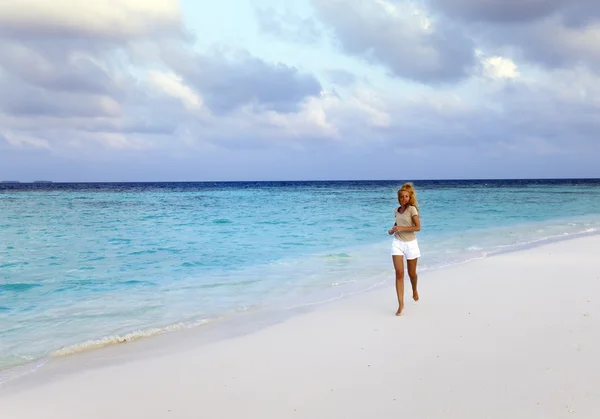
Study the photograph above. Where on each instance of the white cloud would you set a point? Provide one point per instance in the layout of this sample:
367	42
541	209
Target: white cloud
312	120
120	141
173	85
416	17
373	106
20	140
497	67
324	119
107	19
336	117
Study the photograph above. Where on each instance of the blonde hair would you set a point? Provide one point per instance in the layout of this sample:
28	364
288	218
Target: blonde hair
408	187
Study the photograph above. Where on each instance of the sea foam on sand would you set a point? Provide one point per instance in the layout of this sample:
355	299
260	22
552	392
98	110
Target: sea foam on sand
515	335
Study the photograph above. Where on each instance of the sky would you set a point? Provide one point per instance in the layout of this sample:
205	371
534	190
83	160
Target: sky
167	90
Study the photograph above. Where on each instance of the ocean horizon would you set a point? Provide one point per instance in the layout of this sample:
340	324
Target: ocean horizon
476	179
88	264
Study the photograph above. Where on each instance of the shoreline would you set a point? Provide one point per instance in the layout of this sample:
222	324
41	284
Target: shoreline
515	319
125	287
240	323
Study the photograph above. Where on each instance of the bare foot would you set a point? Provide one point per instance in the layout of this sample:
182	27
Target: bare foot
415	295
399	312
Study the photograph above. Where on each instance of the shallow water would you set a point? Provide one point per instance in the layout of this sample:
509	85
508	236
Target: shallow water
87	265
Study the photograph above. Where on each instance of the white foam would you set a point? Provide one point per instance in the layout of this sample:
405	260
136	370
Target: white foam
117	339
473	248
337	284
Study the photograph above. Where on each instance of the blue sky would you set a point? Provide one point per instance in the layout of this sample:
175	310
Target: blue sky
146	90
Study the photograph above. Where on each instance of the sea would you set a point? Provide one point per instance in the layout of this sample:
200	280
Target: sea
88	265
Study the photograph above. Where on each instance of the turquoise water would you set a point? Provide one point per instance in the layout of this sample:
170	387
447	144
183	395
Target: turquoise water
86	265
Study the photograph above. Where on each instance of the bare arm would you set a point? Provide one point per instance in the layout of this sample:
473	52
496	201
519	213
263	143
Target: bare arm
392	231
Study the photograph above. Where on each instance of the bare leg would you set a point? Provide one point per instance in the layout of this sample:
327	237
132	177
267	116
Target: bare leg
399	268
411	266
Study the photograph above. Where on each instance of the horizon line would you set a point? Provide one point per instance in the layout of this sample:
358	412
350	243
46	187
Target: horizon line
8	182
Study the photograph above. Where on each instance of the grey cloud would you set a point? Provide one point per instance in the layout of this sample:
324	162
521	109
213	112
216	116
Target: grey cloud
498	10
407	49
551	33
288	26
70	70
56	81
69	92
49	95
229	83
548	42
30	108
63	118
533	120
75	84
579	14
22	100
92	33
549	45
557	115
527	136
573	13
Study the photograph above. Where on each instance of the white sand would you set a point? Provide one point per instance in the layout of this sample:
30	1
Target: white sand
512	336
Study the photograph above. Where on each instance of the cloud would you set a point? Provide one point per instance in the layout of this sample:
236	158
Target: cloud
550	33
81	89
173	85
498	67
67	76
39	89
23	141
228	81
498	10
112	20
402	37
327	118
552	44
143	99
559	110
572	13
64	70
288	26
40	103
437	42
348	119
556	116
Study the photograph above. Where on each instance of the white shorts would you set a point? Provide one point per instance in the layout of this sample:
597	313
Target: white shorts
410	250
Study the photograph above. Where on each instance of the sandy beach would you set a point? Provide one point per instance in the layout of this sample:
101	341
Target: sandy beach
513	335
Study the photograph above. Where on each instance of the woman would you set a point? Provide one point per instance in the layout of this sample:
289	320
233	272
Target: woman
405	243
